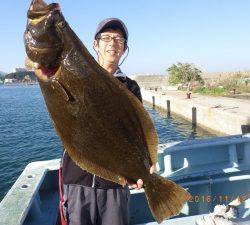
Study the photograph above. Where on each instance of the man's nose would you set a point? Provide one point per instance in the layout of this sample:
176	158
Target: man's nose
112	42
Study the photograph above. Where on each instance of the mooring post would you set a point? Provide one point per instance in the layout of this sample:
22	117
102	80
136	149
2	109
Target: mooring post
168	108
194	116
153	101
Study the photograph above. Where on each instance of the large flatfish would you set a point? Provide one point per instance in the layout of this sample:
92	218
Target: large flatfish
103	126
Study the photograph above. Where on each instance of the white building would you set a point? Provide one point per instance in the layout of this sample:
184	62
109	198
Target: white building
10	81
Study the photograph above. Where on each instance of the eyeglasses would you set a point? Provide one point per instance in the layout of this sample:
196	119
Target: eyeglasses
107	38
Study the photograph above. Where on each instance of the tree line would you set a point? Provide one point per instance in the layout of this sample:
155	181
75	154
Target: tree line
20	76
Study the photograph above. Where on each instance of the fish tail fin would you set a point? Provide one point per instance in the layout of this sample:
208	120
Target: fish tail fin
165	197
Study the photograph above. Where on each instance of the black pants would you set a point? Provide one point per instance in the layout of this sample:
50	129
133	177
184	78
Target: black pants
92	206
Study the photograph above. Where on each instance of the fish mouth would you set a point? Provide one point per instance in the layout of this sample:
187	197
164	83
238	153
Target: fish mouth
38	9
42	73
47	75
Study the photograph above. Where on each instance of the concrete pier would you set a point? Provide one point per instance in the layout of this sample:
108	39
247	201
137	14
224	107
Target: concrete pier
219	114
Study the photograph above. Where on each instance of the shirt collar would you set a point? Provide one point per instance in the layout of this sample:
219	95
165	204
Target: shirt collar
119	73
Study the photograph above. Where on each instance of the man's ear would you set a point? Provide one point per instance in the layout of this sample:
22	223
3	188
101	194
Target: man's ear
95	46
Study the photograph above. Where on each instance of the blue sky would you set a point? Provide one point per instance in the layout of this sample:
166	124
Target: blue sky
212	34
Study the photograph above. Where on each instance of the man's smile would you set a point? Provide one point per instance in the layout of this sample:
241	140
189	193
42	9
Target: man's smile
111	51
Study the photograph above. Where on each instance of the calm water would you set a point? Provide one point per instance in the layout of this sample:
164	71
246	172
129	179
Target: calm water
26	134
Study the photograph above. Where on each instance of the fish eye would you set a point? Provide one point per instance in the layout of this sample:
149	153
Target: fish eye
61	24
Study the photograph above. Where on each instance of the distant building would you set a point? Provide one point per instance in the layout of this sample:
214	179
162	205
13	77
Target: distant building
10	81
15	70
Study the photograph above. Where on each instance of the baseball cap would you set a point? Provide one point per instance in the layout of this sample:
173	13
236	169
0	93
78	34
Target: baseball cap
112	23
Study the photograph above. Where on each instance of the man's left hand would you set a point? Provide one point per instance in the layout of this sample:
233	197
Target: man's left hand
139	183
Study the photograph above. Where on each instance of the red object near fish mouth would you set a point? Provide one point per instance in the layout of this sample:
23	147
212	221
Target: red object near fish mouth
49	72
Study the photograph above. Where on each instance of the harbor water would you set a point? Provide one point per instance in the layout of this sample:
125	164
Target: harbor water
26	133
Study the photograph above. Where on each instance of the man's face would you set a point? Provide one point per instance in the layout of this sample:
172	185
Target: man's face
110	51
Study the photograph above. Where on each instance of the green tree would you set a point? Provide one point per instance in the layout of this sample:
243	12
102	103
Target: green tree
184	73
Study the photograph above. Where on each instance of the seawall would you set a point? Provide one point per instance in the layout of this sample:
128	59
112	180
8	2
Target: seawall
218	114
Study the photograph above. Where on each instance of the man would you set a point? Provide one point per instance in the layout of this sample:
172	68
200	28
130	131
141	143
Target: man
89	199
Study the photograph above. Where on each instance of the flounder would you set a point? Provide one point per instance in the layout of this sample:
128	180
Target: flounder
103	126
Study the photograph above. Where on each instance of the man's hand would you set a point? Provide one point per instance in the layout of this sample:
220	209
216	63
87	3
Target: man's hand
139	183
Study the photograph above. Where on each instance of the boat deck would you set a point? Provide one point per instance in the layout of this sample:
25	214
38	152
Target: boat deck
33	199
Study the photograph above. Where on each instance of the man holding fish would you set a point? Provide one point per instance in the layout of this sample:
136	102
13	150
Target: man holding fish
96	110
87	198
92	199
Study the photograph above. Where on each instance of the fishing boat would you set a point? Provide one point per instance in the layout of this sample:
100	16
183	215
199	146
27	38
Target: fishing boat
215	171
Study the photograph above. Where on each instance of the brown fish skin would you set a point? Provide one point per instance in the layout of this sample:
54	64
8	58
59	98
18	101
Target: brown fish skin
103	126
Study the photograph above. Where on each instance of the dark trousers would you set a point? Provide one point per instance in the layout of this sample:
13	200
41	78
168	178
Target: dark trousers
93	206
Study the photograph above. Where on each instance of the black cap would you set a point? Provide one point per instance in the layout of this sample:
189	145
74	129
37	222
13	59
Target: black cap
113	23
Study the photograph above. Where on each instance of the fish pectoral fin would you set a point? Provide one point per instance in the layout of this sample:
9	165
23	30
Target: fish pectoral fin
65	93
